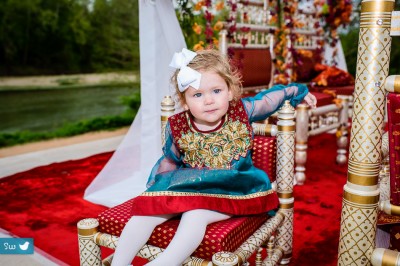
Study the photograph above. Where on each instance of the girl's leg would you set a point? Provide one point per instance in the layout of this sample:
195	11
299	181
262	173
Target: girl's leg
135	234
188	237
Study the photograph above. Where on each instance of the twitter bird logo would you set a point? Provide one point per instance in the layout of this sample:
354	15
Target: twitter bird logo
24	246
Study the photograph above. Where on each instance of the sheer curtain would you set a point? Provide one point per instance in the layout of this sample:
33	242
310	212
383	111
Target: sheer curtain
125	175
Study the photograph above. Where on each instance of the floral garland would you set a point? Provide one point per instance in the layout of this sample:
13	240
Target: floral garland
335	13
202	21
285	21
206	22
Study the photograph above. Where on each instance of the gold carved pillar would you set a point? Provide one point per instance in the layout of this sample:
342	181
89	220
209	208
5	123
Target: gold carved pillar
361	195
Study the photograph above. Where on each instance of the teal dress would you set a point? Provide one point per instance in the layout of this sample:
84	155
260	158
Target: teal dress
214	170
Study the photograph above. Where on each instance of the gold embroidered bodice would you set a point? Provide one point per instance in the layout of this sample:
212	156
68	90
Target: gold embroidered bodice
216	149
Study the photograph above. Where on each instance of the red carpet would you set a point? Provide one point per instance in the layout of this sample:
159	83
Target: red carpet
46	203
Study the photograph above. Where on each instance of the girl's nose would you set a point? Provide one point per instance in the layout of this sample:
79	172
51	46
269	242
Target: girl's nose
208	99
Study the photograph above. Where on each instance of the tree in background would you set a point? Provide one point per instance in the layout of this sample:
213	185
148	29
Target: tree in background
115	35
350	37
68	36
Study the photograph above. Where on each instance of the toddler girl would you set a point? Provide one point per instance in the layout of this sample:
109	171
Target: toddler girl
206	173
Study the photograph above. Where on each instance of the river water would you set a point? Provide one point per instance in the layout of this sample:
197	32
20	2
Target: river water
46	110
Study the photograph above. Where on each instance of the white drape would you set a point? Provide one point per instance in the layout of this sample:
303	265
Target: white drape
125	175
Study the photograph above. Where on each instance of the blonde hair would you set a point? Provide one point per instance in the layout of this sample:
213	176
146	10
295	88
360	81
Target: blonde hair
213	60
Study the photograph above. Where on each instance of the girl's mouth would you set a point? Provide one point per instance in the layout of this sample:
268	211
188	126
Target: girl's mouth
211	111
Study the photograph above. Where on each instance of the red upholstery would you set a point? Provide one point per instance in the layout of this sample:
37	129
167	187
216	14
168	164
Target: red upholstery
254	65
393	109
226	235
264	155
394	145
323	98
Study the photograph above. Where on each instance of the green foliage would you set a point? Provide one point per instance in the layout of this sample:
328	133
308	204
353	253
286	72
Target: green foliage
349	42
96	124
115	28
133	101
68	36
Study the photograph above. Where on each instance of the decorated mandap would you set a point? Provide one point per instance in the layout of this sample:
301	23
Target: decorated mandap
300	43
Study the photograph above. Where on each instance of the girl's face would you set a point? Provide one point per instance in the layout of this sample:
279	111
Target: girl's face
210	102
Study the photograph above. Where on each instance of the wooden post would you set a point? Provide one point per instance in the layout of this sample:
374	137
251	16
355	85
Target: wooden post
89	251
285	178
302	124
167	109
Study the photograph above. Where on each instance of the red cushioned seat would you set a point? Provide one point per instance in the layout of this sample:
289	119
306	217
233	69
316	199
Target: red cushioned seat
323	98
264	155
225	235
254	65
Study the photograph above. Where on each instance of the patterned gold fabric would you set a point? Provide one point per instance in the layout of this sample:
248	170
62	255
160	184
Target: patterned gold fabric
217	149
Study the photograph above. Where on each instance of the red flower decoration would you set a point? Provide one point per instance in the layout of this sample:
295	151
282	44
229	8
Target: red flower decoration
209	32
208	16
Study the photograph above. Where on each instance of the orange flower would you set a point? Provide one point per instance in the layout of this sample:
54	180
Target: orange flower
215	42
338	102
280	79
337	22
331	92
334	33
273	19
197	28
300	39
219	5
305	53
199	46
298	24
199	5
218	26
317	2
322	82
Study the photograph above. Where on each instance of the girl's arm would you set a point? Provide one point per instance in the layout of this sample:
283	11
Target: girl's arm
170	160
268	102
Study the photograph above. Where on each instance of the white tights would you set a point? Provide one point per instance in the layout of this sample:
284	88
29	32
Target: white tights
188	237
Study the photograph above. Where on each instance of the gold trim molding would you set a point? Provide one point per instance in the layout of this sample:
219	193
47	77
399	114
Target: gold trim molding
362	180
286	128
377	6
360	199
285	195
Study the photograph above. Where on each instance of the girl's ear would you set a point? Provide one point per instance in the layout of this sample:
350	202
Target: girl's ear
186	107
230	95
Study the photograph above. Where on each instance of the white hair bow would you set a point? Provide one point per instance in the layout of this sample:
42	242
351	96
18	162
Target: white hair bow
186	76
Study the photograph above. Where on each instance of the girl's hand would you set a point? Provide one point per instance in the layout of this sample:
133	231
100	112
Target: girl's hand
311	100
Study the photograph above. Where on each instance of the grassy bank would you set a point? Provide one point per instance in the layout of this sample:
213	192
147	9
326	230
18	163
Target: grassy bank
70	81
68	130
131	102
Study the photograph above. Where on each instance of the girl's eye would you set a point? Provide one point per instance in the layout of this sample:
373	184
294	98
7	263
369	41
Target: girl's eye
197	95
217	90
